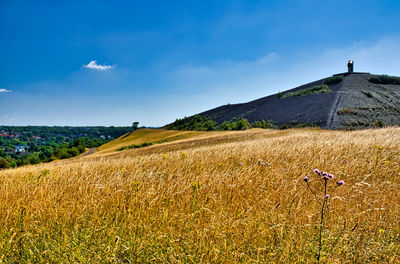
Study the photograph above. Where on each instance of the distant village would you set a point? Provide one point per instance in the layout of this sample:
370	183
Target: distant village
35	144
22	148
20	142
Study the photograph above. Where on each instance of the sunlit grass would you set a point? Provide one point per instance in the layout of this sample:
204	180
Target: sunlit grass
147	135
209	199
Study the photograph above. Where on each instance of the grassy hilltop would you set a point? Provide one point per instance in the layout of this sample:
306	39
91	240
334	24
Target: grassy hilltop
209	197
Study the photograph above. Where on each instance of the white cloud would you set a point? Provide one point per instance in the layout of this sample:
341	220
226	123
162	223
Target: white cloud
93	65
5	90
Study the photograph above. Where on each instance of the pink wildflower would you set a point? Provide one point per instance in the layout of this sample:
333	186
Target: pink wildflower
339	183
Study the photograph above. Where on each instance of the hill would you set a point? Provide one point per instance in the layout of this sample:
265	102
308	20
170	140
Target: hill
216	197
142	137
347	100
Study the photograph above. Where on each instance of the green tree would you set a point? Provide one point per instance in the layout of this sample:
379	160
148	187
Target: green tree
63	154
78	141
135	125
74	151
33	159
210	125
242	124
226	125
2	152
4	164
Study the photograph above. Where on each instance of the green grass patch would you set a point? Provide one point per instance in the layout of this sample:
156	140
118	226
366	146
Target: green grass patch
333	80
308	91
347	111
145	144
385	79
368	94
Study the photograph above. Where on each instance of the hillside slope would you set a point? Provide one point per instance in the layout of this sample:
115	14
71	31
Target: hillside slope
352	103
146	135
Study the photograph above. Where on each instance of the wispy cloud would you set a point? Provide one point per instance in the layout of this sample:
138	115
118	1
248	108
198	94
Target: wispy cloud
5	90
9	118
93	65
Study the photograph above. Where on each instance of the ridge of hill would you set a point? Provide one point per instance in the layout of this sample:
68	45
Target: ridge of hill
143	136
346	100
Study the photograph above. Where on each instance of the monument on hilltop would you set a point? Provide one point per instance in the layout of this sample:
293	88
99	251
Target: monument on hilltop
350	66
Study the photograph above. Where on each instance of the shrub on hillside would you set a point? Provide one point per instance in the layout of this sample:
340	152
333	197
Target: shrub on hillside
242	124
367	93
284	126
379	123
200	123
205	123
210	125
295	124
333	80
145	144
310	90
263	124
226	125
347	111
385	79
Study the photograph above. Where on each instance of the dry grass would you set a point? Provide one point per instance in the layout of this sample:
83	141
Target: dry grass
147	135
207	199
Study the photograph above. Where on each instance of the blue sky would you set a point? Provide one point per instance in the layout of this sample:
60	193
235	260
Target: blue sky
115	62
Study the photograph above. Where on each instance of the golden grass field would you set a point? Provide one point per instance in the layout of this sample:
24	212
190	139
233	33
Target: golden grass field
205	198
148	135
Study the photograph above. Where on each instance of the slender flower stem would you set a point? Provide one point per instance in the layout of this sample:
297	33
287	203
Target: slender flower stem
322	222
324	177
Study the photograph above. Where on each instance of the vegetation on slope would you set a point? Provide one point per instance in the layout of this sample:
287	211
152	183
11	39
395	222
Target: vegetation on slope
201	123
385	79
333	80
142	145
307	91
235	202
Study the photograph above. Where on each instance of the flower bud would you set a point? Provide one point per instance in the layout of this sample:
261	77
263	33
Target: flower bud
339	183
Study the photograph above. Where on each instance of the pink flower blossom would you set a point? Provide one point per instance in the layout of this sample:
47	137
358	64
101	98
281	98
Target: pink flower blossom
326	176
